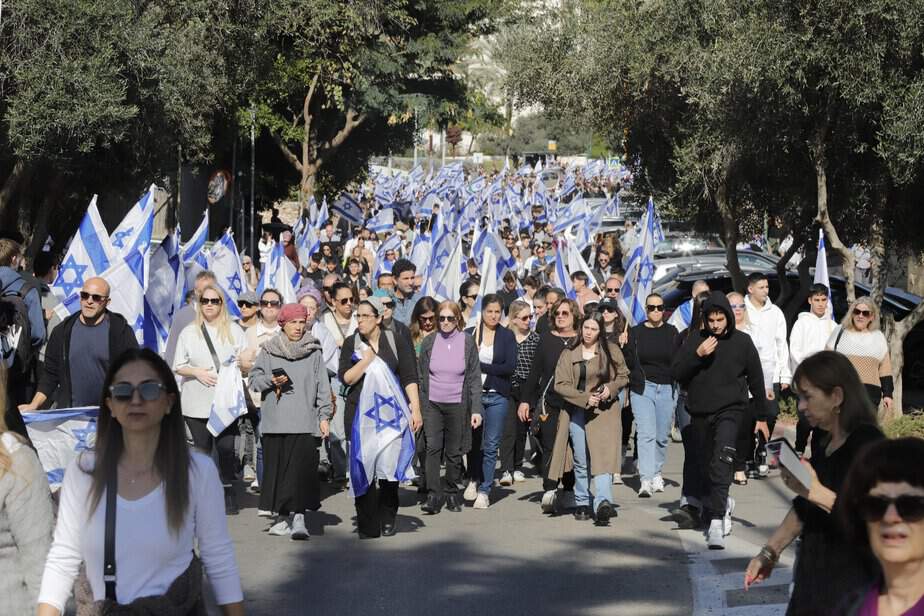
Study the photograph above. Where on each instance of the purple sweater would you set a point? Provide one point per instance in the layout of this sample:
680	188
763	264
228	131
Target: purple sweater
447	368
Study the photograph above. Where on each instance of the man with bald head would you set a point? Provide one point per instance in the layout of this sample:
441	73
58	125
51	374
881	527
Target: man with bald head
80	349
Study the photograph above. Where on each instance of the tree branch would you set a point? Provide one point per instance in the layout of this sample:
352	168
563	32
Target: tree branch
353	120
823	215
11	184
287	153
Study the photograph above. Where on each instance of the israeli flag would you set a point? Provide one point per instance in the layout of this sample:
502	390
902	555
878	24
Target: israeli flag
349	209
164	293
59	436
640	269
127	282
225	262
682	317
323	215
382	444
561	269
194	250
90	254
576	214
134	232
589	228
446	272
382	222
393	242
488	284
821	271
278	275
229	402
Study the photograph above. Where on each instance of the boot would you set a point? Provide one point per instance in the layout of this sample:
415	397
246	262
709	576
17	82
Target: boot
231	507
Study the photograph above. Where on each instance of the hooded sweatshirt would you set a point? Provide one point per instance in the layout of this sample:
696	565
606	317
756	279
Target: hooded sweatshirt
809	335
721	380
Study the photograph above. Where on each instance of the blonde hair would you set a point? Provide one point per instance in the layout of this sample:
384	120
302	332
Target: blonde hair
6	461
746	319
847	321
222	321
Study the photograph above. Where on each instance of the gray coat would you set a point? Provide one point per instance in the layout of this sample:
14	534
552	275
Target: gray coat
301	407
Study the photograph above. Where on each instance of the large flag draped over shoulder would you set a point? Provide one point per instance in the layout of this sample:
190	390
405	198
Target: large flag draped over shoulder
640	269
59	436
382	444
89	254
821	271
229	402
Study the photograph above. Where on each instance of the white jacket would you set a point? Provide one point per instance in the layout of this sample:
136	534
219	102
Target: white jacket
809	335
769	336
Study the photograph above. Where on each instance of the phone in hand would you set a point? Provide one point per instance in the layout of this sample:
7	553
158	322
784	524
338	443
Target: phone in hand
786	456
280	372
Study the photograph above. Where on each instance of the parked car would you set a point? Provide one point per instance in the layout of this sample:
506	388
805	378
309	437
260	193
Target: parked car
680	262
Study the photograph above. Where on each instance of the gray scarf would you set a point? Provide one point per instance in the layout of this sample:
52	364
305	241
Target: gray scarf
280	346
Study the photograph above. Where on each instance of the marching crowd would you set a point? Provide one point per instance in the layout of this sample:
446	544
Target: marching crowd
494	388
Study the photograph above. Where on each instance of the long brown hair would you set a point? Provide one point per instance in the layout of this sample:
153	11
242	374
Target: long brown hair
171	459
829	369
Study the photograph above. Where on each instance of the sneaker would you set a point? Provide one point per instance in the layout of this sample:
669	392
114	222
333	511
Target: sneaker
657	484
686	516
299	532
617	479
604	512
255	486
471	491
548	502
263	513
506	479
727	519
280	529
567	499
481	501
675	435
519	477
249	473
645	490
714	537
763	470
231	506
583	513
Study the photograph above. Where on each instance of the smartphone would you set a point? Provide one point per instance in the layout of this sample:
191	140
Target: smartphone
280	372
787	457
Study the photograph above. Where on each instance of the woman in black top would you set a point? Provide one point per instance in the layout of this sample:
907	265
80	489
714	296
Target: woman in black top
513	444
538	388
649	352
828	565
377	509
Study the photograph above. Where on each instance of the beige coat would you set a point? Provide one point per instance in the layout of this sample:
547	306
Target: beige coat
604	427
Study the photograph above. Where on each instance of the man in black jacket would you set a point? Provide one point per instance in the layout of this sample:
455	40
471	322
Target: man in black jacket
718	367
80	350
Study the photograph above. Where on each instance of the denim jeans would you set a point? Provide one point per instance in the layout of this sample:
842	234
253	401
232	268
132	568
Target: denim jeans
603	483
654	410
495	412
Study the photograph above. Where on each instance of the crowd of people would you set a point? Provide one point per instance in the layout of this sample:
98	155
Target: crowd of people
496	388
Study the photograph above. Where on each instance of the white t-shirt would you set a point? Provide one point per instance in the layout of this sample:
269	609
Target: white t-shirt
148	556
192	351
485	356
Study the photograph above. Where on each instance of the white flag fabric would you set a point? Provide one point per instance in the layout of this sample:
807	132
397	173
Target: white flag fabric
59	436
488	284
821	271
134	232
229	402
446	273
90	254
225	263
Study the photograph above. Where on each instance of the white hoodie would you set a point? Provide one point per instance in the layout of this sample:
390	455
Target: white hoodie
809	335
769	337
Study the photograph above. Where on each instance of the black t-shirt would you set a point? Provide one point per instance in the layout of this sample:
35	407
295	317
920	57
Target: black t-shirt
545	360
649	353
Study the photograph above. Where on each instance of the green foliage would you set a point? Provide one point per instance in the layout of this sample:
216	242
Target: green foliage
906	425
532	133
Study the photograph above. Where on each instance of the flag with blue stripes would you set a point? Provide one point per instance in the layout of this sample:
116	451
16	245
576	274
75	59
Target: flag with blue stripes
278	274
90	254
821	271
135	230
640	269
349	208
59	435
382	222
225	263
229	402
164	293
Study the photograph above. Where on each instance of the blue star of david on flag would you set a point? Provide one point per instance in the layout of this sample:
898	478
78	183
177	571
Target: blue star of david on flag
375	413
119	241
234	283
71	265
83	435
139	323
646	271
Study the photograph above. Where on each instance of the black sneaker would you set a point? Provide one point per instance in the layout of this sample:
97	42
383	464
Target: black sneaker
583	513
231	506
453	504
687	517
605	511
432	505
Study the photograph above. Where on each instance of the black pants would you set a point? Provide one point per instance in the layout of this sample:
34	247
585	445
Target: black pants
627	418
513	443
744	445
379	505
474	457
420	459
443	424
290	477
202	439
547	431
691	487
715	437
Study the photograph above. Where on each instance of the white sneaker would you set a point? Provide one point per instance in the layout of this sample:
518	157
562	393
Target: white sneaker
471	491
548	502
280	529
506	479
481	501
714	537
255	484
567	499
763	470
645	490
249	473
727	520
657	484
519	477
263	513
617	479
299	532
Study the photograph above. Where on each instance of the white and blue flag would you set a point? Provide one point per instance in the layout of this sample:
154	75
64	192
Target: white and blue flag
225	262
348	207
640	269
382	222
229	402
488	284
277	274
59	436
134	232
90	254
164	293
821	271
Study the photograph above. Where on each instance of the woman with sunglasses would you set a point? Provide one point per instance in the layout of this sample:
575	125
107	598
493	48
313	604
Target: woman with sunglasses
828	566
167	500
542	404
202	348
340	320
882	508
860	339
423	321
295	414
649	353
450	391
513	445
468	293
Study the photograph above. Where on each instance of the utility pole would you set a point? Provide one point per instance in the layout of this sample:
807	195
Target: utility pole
415	136
253	122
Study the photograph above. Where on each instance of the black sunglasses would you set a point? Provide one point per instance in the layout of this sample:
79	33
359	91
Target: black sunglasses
214	301
608	309
270	303
910	507
655	307
388	304
612	289
449	319
148	390
345	301
243	304
856	311
94	296
471	296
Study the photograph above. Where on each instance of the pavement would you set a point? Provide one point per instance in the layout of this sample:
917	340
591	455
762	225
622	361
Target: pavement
511	559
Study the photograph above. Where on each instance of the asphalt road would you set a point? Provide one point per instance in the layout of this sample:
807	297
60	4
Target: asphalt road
512	559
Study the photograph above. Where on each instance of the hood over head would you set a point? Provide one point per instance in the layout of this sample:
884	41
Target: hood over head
718	301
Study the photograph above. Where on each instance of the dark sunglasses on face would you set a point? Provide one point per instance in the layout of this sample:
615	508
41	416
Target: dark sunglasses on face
214	301
737	306
471	296
388	304
449	319
426	318
94	296
269	303
612	289
242	304
910	507
149	391
608	309
856	311
563	313
655	307
344	301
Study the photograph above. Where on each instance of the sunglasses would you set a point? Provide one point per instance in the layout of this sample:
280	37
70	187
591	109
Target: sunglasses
471	296
612	289
214	301
94	296
149	391
563	313
327	289
525	317
388	304
242	304
423	318
910	507
270	303
655	307
608	309
737	306
345	301
447	319
856	311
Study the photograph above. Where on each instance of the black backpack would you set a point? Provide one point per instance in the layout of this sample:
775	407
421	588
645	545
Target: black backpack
14	313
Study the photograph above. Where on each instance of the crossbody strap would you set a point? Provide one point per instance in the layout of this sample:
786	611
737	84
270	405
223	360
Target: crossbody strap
109	567
208	341
838	338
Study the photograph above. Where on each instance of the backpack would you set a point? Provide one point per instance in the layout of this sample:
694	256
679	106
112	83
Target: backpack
15	327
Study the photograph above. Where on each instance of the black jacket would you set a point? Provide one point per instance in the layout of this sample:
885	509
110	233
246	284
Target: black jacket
55	380
500	371
720	381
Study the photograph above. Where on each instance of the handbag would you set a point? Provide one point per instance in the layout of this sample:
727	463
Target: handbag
208	341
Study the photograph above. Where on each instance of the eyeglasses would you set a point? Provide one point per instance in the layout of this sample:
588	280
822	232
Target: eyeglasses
148	390
856	312
243	304
612	289
910	507
563	313
345	301
655	307
214	301
388	304
94	296
365	316
471	296
524	317
426	318
737	306
449	319
270	303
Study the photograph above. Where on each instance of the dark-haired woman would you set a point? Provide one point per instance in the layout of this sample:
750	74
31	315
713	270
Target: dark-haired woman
588	377
166	499
468	294
423	321
513	445
828	566
497	350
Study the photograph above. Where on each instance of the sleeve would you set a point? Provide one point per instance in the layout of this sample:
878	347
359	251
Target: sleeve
755	375
322	394
629	356
328	348
64	557
473	375
261	375
564	382
796	340
181	358
687	363
33	302
508	359
346	357
781	374
621	378
885	373
50	377
28	506
531	384
407	361
211	528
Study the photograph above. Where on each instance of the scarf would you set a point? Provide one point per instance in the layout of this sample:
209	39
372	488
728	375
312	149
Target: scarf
280	346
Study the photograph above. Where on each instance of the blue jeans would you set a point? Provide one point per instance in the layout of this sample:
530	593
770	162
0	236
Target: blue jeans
653	410
495	412
603	483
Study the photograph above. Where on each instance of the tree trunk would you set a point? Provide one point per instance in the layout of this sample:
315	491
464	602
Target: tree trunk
824	215
18	174
896	332
730	237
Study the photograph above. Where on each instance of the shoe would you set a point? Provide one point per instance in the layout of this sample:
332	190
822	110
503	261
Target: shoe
432	505
617	479
388	529
263	513
471	491
567	499
763	470
657	484
741	478
645	490
518	477
604	512
675	435
727	519
686	516
714	537
548	502
453	504
481	501
583	513
299	531
231	507
280	529
506	479
255	486
249	473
